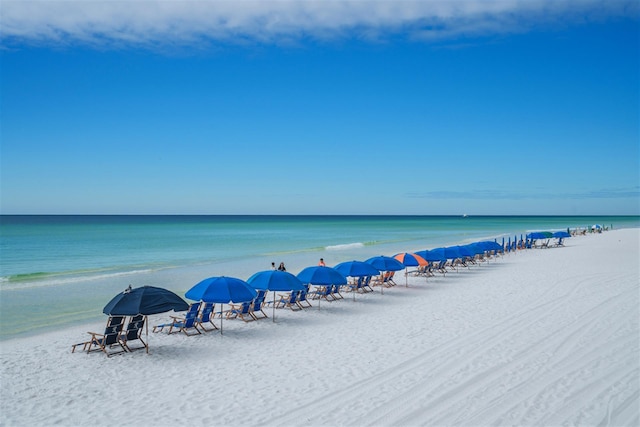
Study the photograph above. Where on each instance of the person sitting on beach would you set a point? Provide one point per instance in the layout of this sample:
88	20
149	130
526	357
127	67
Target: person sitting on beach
321	263
281	267
273	265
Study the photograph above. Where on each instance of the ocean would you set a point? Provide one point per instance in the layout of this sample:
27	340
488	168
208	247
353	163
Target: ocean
60	270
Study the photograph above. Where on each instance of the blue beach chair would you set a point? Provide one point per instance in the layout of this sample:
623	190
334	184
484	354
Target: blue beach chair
257	304
242	311
205	315
185	324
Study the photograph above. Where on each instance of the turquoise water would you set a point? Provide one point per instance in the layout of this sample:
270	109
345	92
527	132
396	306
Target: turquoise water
61	270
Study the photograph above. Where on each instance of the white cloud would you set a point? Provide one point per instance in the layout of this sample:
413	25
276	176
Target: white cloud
170	22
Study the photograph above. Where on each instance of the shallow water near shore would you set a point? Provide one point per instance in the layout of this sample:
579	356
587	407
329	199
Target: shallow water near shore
63	269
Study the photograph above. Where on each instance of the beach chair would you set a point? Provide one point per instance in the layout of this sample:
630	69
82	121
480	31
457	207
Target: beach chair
355	283
205	315
384	279
243	311
361	284
105	342
366	284
289	300
324	292
256	306
303	301
134	333
442	267
377	280
335	292
184	324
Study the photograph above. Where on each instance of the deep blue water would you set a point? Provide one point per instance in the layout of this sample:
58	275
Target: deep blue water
63	269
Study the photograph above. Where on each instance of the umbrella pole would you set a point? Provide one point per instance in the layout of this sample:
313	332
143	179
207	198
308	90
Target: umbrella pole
274	307
221	316
146	322
406	277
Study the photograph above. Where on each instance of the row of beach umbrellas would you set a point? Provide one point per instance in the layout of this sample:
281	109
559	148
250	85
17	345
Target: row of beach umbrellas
148	300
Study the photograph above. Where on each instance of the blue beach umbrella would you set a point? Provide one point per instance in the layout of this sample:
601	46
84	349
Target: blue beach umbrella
494	246
490	245
385	263
452	252
465	251
221	290
275	280
356	269
433	255
561	234
321	276
540	235
472	249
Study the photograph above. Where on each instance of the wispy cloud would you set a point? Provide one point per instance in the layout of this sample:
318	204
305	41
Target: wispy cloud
202	22
603	193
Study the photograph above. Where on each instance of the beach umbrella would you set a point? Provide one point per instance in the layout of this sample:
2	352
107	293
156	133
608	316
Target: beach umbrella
385	263
145	300
275	280
356	269
561	235
540	235
452	252
221	290
321	276
433	255
489	245
492	246
465	251
410	260
475	248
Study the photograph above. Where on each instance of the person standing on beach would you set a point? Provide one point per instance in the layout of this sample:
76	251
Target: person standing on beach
281	268
321	263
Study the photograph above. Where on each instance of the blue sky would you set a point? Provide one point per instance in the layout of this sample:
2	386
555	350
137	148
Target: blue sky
308	107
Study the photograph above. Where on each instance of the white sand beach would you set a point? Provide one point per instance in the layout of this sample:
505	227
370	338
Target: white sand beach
543	337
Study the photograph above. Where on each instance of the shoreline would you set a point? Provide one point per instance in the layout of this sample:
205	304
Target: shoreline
72	303
539	337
